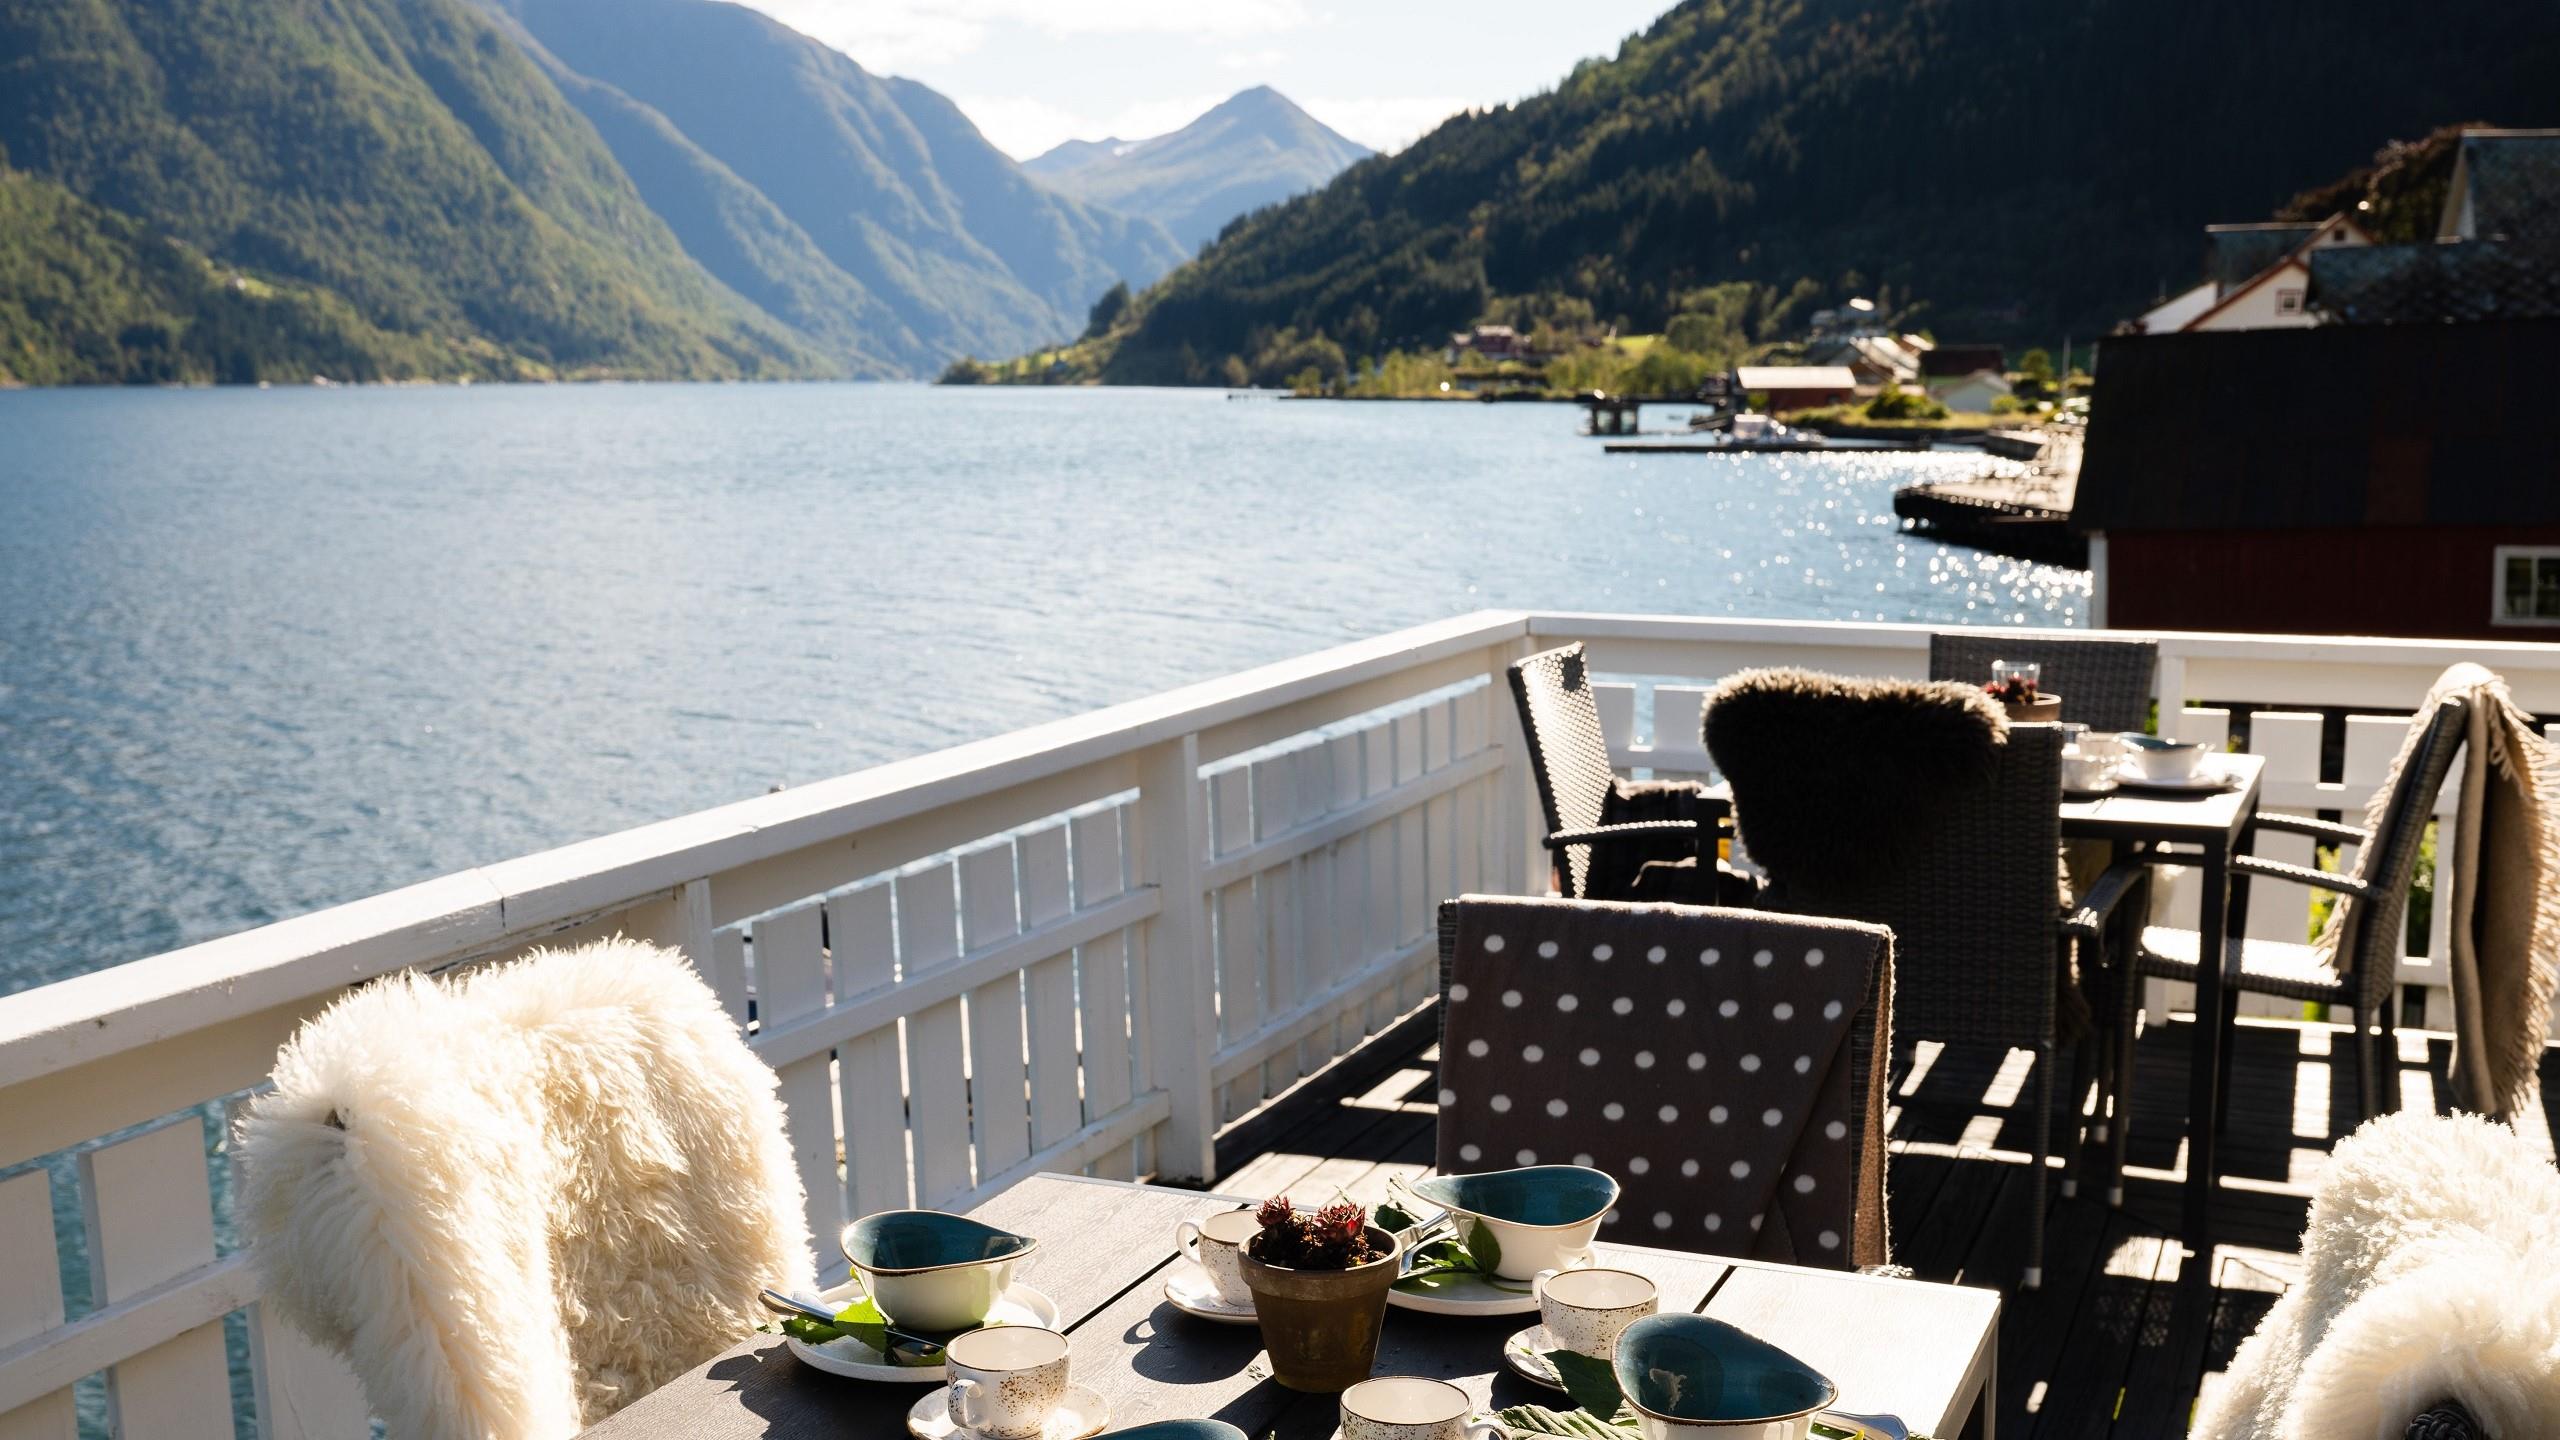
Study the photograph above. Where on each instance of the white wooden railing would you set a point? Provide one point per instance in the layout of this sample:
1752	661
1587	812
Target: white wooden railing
1084	946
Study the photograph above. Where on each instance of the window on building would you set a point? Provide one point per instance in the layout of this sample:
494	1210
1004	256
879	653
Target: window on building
2528	590
2288	302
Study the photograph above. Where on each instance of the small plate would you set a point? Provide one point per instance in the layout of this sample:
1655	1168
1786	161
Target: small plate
1079	1414
1187	1288
1526	1353
1474	1294
846	1356
2211	777
2105	786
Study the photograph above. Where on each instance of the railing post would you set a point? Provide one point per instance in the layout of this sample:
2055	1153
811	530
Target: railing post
1173	822
1521	864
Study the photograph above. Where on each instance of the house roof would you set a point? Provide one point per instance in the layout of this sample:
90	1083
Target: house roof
2236	254
1946	384
2346	426
2506	186
2175	312
1948	360
1795	377
2434	284
2291	261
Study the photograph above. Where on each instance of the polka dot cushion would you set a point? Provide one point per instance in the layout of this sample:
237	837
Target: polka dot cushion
1725	1065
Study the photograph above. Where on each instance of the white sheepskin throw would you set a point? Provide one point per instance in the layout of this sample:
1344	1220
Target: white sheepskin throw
518	1200
2431	1272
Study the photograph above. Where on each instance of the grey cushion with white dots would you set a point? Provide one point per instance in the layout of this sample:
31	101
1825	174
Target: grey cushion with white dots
1722	1064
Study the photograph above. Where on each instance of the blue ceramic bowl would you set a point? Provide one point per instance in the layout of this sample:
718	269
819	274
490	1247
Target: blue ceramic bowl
931	1271
1540	1218
1689	1374
1178	1430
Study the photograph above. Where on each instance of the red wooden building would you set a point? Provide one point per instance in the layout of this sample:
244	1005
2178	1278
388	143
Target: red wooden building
2397	479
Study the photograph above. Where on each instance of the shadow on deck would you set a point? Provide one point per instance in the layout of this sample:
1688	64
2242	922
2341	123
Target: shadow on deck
2113	1344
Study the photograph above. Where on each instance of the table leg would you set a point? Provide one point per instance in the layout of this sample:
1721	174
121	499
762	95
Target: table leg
2204	1072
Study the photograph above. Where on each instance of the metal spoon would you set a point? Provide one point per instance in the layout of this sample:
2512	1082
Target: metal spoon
923	1350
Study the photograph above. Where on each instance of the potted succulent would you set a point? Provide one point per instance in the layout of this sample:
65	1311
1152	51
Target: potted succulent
2017	694
1319	1281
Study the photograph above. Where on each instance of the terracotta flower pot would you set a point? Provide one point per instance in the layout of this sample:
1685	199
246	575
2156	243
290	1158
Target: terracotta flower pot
2043	709
1321	1326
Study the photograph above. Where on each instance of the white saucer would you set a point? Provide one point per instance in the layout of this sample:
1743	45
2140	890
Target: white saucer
2211	777
1079	1414
1470	1294
854	1360
1187	1288
1526	1353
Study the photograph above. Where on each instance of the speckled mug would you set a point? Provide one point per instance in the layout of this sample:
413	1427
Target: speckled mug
1408	1407
1213	1244
1585	1309
1006	1381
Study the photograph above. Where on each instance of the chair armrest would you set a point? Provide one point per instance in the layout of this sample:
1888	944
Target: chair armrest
2317	829
1630	830
2299	875
2089	919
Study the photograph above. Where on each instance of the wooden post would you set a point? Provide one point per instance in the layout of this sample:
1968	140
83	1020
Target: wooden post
1173	822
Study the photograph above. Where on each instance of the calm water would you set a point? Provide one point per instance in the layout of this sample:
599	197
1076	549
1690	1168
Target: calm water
262	651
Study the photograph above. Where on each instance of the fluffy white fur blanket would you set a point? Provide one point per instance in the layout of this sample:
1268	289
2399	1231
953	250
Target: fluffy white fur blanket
2431	1271
518	1200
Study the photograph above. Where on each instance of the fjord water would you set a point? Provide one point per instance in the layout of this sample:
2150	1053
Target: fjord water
263	651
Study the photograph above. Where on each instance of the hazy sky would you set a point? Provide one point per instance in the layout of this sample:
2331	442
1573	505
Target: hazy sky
1035	72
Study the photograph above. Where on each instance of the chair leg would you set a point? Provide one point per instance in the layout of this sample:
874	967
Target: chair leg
2034	1278
2120	1133
2083	1078
2364	1066
2230	1022
2387	1047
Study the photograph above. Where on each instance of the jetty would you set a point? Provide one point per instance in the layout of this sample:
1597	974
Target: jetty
2021	512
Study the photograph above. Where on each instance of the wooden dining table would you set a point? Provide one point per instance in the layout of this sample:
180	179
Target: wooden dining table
1922	1353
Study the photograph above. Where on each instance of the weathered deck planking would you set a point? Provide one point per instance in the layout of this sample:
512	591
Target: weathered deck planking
2114	1346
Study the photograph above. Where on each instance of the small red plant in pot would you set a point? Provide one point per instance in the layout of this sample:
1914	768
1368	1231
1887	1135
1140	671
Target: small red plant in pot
1319	1280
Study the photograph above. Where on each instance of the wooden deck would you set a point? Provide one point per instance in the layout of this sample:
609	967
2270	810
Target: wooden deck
2113	1344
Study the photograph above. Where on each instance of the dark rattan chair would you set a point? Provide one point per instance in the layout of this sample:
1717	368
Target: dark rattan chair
1576	788
2104	684
1967	875
2448	1421
2366	964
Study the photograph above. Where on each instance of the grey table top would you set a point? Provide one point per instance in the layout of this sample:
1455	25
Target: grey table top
1921	1352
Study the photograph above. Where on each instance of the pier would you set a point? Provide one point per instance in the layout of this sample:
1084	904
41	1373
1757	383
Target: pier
2025	513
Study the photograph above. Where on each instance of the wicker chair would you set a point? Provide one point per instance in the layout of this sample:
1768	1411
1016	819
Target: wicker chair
2448	1421
2367	960
2104	684
1576	788
1973	894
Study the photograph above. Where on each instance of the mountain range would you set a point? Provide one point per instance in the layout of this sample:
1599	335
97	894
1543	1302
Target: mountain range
515	189
1253	149
2029	171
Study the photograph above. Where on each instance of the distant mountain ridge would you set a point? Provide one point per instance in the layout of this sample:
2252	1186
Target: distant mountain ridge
2033	172
1254	148
507	189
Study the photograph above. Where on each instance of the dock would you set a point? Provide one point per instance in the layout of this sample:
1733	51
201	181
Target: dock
1753	447
2025	513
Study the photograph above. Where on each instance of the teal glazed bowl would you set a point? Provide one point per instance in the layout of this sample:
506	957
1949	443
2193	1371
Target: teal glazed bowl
1691	1378
930	1271
1178	1430
1541	1218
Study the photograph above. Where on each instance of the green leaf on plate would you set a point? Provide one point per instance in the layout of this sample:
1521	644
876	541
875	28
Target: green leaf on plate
1539	1420
1390	1217
1593	1384
1486	1250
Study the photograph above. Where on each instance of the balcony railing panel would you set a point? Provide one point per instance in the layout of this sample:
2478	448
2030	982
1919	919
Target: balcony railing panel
1086	946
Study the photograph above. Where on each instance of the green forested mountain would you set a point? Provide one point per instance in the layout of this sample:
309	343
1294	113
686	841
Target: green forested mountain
2030	170
1251	149
402	155
506	189
829	195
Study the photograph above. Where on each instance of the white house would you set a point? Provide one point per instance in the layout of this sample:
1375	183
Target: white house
2256	277
1970	393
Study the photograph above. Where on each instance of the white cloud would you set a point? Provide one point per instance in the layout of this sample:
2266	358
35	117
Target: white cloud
1383	122
895	34
1251	59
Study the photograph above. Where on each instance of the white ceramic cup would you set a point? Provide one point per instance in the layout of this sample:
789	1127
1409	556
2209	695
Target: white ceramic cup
1214	1245
1005	1382
2084	771
1407	1407
1585	1309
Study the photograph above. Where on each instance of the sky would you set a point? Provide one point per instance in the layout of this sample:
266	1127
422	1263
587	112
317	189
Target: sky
1034	72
